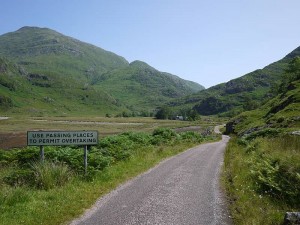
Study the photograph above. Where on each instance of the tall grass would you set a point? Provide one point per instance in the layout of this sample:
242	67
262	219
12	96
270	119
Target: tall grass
262	179
48	175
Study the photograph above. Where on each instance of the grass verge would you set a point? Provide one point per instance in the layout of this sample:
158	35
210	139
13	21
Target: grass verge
262	179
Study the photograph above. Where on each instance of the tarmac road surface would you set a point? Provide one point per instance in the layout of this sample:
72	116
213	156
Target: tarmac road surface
181	190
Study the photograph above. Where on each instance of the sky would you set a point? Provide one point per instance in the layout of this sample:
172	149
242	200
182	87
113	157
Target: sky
209	42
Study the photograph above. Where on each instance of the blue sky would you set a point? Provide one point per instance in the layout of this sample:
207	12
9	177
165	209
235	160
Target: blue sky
208	42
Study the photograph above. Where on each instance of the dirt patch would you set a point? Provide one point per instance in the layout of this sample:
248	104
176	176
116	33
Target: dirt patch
190	128
90	122
13	140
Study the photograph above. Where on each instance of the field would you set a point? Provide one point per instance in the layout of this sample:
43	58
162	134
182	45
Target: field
13	130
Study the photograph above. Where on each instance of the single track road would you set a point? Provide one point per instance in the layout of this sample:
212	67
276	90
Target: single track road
181	190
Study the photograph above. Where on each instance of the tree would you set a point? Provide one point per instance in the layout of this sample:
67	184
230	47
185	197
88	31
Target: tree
294	69
164	113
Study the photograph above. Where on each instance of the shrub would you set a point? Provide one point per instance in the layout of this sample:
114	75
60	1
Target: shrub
26	156
19	177
6	157
97	160
73	157
119	147
277	180
191	136
138	138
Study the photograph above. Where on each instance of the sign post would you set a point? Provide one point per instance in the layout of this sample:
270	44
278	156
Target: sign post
85	159
42	155
83	138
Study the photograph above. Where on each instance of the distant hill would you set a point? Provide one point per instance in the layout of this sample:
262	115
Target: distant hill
244	93
72	72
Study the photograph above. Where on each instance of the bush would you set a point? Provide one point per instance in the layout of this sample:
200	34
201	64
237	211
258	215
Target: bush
19	177
277	180
119	147
26	156
192	136
165	133
138	138
97	160
6	157
73	157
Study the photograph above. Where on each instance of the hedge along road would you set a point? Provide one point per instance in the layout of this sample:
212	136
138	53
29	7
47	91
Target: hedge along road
181	190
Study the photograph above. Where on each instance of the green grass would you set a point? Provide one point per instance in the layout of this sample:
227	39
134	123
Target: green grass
261	179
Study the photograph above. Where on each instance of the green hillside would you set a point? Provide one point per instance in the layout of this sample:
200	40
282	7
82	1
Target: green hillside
280	114
244	93
63	73
139	82
39	94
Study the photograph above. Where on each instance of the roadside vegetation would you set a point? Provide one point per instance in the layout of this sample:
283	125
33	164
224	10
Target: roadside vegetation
262	178
262	161
57	190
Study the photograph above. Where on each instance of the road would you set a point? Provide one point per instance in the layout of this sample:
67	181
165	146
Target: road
179	191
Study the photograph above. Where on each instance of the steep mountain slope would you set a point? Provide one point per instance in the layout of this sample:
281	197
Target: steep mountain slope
244	93
280	114
38	94
55	65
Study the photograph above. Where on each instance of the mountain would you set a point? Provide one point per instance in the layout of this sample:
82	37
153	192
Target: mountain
244	93
279	115
72	72
139	81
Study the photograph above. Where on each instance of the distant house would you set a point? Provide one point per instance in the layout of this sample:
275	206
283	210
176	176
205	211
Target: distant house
179	117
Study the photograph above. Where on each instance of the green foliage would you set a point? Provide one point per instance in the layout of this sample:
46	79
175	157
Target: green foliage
19	177
277	179
164	113
263	173
267	132
44	175
10	197
27	157
48	175
278	115
5	102
190	135
164	136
